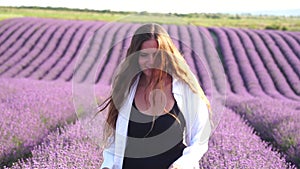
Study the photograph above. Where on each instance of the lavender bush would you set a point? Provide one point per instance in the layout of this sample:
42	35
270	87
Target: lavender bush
68	147
30	109
235	145
276	121
230	147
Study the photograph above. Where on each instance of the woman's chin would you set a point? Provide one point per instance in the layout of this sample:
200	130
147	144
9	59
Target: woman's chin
147	72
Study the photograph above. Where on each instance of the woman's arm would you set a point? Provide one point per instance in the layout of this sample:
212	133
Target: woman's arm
174	166
199	131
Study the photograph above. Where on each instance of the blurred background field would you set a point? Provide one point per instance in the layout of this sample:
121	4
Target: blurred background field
291	23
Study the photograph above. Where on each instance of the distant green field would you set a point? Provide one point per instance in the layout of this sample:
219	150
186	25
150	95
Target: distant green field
206	20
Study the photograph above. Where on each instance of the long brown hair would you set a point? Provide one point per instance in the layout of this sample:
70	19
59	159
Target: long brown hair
170	61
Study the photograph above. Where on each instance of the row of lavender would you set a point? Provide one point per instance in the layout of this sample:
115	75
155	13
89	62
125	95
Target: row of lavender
275	121
30	114
29	111
32	109
261	62
256	63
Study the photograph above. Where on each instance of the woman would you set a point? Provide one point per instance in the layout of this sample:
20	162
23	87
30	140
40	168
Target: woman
158	115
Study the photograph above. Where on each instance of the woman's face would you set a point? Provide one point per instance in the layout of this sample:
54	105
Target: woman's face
147	56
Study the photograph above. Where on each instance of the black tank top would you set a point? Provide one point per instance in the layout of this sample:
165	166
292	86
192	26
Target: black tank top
154	144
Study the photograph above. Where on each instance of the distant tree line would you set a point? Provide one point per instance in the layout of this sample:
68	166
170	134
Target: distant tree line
213	16
190	15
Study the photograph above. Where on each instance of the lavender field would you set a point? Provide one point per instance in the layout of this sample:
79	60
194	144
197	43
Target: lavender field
40	59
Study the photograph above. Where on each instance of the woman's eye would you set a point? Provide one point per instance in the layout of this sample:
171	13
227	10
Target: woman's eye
143	54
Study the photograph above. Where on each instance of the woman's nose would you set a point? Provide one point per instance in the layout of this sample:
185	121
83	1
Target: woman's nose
150	60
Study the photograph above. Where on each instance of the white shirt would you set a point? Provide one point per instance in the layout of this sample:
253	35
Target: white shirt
196	135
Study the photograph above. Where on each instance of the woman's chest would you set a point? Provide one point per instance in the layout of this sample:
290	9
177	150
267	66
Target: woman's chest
153	102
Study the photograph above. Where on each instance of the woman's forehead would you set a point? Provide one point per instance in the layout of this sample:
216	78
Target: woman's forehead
149	44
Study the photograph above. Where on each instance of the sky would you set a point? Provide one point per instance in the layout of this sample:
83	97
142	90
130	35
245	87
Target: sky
282	7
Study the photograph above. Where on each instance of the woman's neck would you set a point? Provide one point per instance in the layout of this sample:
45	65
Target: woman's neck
146	80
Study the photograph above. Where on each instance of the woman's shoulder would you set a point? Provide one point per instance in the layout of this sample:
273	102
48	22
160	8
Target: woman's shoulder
180	85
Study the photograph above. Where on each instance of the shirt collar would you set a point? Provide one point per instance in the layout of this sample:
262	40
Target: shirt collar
176	87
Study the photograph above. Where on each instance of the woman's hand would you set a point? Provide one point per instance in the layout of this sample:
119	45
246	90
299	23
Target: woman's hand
174	166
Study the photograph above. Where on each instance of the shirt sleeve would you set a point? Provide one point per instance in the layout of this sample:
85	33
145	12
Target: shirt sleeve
108	156
199	131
